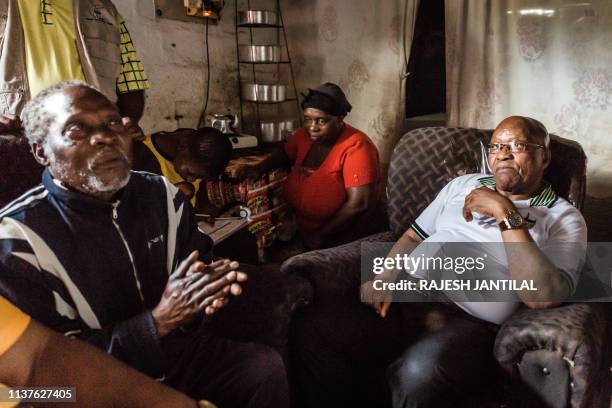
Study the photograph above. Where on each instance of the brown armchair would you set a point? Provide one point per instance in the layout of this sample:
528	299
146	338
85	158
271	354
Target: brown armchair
547	358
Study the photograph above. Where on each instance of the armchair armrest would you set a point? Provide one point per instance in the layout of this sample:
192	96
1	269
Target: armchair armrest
333	271
262	313
558	354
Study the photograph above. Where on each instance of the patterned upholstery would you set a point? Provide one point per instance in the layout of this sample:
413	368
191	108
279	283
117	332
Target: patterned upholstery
573	338
423	162
567	170
333	271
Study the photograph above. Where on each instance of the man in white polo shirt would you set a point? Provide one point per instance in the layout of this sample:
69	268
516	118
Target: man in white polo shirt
551	223
514	206
540	238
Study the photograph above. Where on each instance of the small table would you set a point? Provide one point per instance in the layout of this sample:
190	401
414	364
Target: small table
222	228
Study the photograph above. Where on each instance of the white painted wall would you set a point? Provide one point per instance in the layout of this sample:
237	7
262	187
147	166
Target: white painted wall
173	54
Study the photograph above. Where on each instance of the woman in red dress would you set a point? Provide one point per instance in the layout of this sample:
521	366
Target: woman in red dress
335	169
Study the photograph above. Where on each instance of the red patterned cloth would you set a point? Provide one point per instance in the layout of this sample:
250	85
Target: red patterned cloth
263	197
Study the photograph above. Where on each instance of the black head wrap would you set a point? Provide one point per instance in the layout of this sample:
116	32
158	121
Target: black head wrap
328	98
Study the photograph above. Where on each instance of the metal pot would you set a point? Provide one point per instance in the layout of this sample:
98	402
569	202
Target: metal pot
259	53
264	92
224	122
257	17
277	130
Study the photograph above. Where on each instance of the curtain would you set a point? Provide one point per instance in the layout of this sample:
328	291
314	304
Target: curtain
547	59
361	45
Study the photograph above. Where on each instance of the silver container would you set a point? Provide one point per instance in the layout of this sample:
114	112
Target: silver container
277	130
264	92
259	53
257	17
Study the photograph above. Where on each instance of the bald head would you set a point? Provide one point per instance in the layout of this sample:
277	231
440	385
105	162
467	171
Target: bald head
533	129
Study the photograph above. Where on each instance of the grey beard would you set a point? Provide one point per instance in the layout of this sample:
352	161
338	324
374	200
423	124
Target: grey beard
92	182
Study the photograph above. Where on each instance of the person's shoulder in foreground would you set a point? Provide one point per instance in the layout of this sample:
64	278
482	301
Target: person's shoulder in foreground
31	354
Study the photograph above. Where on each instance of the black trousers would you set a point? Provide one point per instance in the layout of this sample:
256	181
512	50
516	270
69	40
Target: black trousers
420	355
225	372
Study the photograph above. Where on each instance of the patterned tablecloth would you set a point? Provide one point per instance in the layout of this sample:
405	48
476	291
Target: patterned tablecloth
270	217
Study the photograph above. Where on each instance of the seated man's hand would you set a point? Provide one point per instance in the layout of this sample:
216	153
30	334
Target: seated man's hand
487	202
10	124
380	300
194	289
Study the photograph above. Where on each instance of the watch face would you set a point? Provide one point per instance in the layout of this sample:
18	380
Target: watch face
515	219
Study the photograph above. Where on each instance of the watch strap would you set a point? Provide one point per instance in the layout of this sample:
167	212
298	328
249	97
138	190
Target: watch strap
505	224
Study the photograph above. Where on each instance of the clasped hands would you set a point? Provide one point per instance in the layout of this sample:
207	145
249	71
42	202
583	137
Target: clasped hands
481	200
194	289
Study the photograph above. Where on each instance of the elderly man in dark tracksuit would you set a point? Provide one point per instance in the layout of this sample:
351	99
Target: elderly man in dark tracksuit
115	258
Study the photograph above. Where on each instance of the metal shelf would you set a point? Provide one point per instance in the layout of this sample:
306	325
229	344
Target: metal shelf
281	39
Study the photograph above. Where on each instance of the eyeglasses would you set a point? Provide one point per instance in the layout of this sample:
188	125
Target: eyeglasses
317	121
79	130
514	146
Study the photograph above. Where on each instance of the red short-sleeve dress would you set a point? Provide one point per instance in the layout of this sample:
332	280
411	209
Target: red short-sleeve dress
316	194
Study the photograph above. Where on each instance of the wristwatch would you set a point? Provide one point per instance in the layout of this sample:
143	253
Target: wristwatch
513	220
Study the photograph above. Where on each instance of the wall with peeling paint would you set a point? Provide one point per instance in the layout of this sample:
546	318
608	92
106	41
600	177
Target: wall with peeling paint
173	54
369	70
